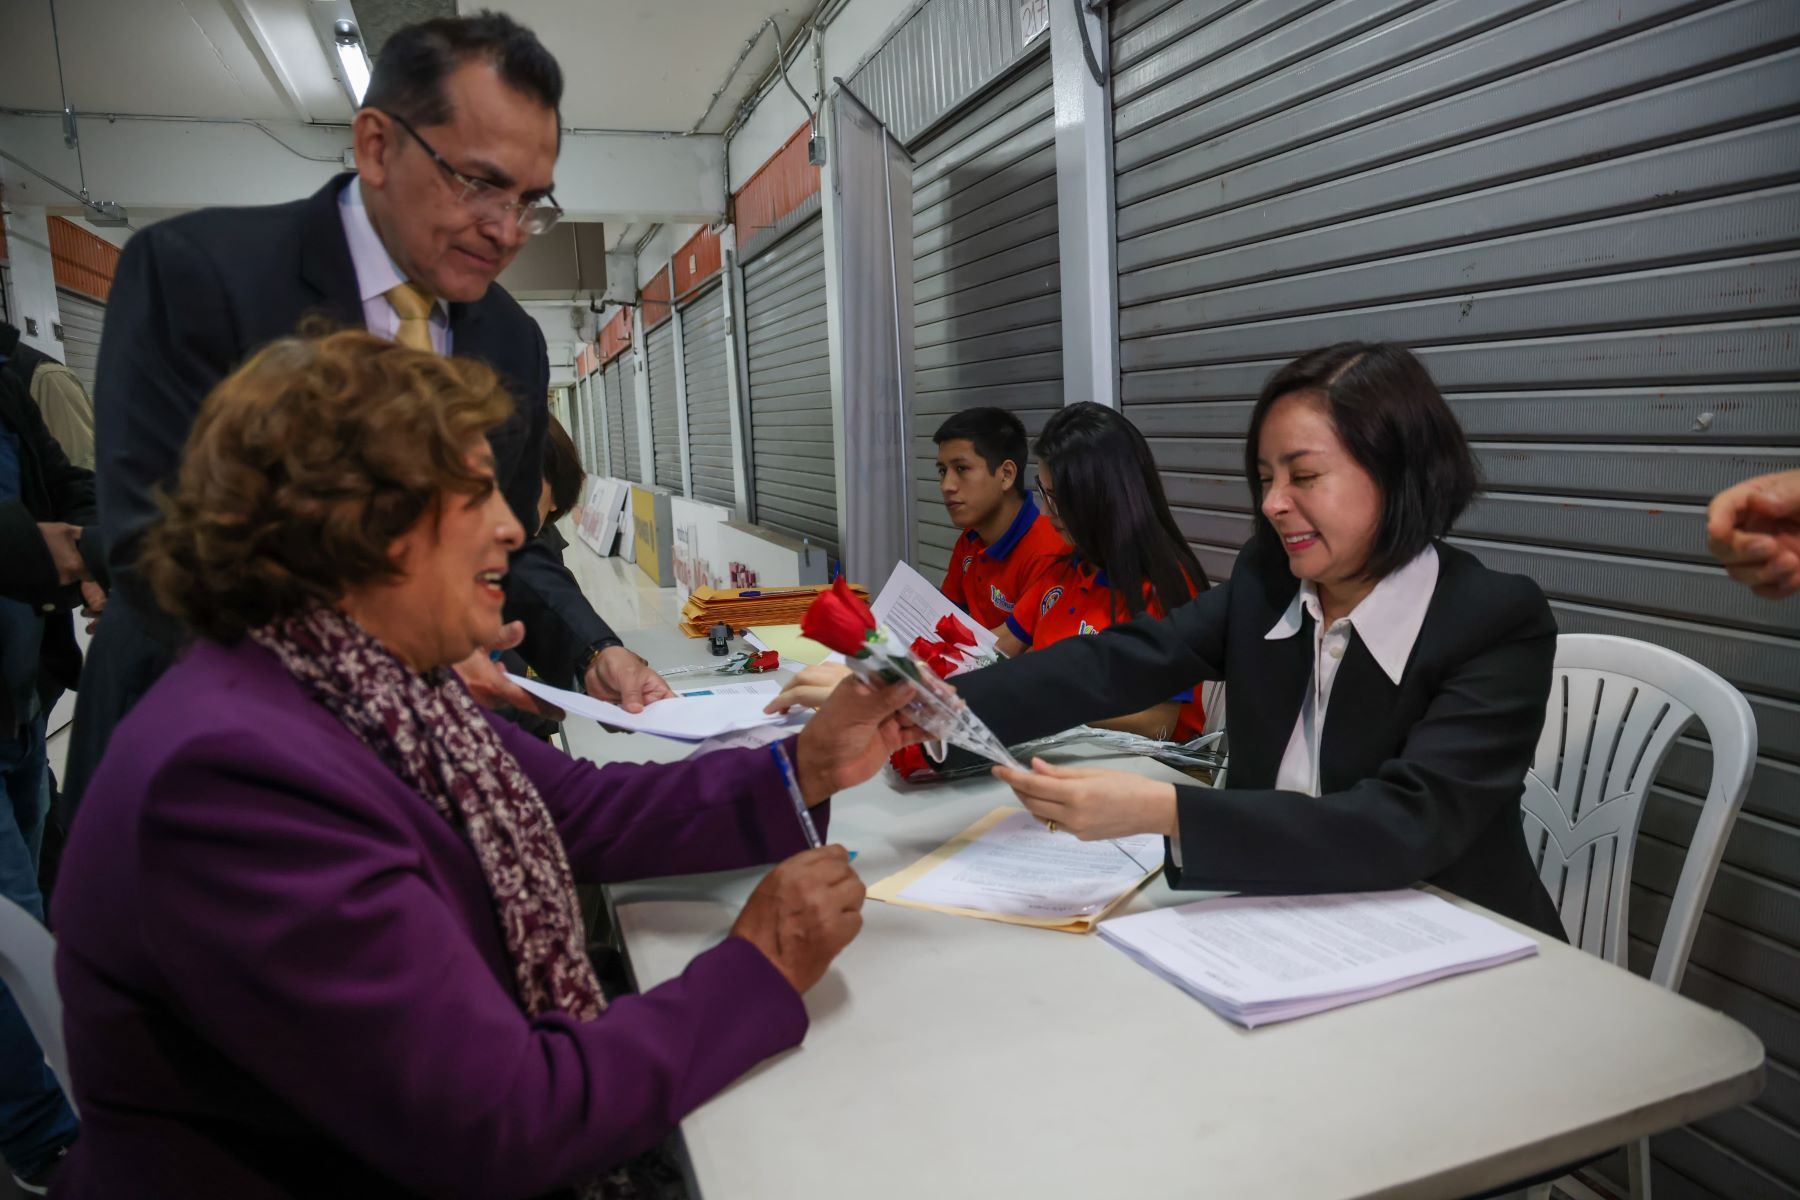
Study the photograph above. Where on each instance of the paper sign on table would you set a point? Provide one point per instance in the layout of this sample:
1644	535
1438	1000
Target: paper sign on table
786	640
1007	867
686	719
1256	960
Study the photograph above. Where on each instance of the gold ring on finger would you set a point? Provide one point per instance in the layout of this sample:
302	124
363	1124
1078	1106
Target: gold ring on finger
1052	826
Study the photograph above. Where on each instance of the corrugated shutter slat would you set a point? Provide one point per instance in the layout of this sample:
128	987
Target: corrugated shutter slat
665	412
791	441
987	293
1585	220
709	399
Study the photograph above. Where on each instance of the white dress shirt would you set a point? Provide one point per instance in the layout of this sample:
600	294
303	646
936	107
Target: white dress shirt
376	273
1388	621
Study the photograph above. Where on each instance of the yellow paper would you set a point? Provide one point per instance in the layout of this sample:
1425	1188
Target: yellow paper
889	889
787	640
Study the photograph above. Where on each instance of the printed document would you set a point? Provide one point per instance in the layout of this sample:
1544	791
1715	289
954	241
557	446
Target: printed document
683	718
1260	959
1008	867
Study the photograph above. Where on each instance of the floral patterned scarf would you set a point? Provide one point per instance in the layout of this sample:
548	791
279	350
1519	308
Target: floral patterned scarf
430	732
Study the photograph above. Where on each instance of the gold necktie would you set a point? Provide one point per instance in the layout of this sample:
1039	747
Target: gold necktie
413	305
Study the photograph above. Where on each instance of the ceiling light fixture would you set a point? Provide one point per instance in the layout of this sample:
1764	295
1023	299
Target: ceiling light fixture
353	61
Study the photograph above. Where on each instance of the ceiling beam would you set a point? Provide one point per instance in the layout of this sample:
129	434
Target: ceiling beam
180	164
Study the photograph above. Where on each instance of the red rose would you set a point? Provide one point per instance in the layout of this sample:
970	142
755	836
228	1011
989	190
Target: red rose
767	660
838	620
954	631
909	761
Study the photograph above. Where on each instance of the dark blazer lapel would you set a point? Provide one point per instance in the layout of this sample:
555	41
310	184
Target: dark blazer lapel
1359	722
473	334
325	264
1274	687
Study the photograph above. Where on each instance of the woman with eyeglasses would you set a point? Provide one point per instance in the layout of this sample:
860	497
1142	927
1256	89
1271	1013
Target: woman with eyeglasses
1387	690
1098	485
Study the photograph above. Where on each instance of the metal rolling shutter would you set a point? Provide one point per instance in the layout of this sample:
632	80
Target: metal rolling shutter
665	411
709	399
1585	219
626	367
81	319
591	416
615	417
792	450
987	296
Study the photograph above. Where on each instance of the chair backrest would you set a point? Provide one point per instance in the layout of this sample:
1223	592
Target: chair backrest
1616	708
27	967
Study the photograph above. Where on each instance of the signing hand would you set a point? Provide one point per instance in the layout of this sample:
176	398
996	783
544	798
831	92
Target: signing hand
851	737
1754	529
620	677
803	912
492	687
1091	803
809	688
61	538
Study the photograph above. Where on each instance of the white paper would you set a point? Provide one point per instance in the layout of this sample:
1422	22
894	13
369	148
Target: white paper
685	719
728	686
1020	868
909	607
1259	959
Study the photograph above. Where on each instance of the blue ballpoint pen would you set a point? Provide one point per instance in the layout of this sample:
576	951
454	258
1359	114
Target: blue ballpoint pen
801	810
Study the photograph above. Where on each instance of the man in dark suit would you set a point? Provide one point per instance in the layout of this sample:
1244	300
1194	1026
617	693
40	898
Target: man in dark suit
456	148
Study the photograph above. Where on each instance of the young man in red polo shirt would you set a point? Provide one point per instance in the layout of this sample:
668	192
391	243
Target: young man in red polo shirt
1006	542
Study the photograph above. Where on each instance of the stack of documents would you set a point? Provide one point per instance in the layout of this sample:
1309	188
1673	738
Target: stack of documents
723	708
1257	960
741	607
1008	867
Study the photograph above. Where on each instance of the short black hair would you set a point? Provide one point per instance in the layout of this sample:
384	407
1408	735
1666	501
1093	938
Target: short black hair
562	470
1396	425
1109	496
997	435
409	73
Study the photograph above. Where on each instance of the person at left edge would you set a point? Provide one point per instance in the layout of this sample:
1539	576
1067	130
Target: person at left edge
456	147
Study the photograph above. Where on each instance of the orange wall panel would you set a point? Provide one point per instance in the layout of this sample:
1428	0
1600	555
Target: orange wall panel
80	260
654	297
779	187
615	336
696	262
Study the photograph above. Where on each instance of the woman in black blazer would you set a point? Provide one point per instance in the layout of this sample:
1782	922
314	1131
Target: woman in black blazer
1386	689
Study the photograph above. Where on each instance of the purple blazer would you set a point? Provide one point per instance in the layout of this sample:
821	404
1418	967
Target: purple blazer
282	974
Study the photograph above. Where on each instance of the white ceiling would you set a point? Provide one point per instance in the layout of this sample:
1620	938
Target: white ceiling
652	64
198	58
630	64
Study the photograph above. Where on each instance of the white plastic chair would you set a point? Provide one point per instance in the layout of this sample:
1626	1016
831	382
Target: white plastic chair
27	967
1616	708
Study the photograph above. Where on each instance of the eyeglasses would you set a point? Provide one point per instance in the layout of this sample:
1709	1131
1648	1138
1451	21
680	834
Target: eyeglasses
1048	498
490	202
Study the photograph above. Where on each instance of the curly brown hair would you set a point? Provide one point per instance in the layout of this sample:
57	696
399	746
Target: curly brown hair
303	468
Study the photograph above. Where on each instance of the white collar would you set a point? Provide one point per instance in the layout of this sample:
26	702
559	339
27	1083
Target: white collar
1389	618
376	271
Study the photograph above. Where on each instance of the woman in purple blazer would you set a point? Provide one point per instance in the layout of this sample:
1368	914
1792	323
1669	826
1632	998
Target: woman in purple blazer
317	924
